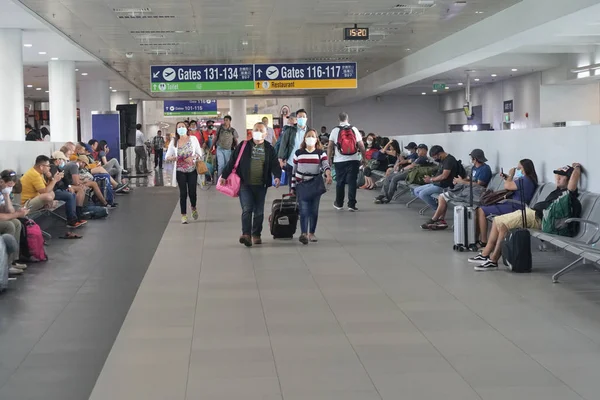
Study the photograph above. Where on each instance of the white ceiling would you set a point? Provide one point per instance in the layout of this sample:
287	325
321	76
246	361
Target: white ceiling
227	31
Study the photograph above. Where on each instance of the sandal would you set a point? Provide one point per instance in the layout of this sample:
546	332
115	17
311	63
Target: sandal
71	235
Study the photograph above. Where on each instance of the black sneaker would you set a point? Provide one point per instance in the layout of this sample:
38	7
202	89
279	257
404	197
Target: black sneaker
487	266
439	225
479	259
339	208
427	225
379	199
303	239
352	209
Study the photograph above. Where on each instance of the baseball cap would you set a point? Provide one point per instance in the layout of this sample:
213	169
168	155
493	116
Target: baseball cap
567	170
435	150
410	146
88	148
59	155
479	155
423	146
292	115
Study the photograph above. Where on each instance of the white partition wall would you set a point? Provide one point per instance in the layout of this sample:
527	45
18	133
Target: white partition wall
21	155
549	148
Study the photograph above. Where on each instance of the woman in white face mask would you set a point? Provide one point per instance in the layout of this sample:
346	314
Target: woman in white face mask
256	163
310	161
9	224
185	151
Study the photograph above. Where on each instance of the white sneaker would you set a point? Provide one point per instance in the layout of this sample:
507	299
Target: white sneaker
15	271
20	266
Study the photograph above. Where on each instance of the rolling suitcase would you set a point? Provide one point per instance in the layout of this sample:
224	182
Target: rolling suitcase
283	220
464	224
516	248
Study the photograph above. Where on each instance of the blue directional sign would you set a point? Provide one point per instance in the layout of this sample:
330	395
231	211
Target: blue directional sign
305	76
198	78
190	107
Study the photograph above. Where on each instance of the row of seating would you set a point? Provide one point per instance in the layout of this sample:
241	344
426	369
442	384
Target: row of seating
583	245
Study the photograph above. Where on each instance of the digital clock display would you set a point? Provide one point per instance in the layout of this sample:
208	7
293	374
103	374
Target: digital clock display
356	33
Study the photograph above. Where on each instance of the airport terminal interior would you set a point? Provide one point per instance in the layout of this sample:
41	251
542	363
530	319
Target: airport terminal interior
316	200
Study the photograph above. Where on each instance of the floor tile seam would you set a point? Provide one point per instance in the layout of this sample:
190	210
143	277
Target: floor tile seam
487	323
411	321
300	253
187	379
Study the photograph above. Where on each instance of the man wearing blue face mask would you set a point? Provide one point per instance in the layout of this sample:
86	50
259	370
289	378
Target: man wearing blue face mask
293	136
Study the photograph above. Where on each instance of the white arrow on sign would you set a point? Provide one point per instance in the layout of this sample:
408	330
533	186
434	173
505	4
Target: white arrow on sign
155	75
259	73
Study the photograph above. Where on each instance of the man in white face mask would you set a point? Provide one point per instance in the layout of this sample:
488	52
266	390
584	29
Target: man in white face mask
258	163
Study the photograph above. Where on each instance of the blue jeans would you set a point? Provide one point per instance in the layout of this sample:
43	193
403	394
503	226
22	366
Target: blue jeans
252	199
346	173
70	203
426	191
223	157
309	215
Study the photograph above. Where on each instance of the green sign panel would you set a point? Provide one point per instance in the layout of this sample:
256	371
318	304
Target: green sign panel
439	86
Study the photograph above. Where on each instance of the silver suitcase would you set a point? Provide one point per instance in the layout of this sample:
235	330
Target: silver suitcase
464	229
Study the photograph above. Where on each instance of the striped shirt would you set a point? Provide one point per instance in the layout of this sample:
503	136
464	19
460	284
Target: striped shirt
308	163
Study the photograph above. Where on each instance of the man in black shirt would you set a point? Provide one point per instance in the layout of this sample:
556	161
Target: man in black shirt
448	170
566	179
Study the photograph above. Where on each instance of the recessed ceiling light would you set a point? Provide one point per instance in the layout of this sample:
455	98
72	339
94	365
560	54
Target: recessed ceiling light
114	90
130	99
423	93
245	43
249	26
434	90
476	79
460	83
478	12
42	53
27	45
407	49
494	75
54	58
447	88
110	87
47	91
29	85
38	88
84	74
514	70
76	69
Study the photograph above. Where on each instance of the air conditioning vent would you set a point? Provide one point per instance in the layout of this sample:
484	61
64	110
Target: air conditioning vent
422	4
149	36
130	10
157	32
163	52
408	11
161	44
146	16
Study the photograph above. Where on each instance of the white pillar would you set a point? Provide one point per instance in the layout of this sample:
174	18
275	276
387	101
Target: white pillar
238	116
12	99
117	98
93	96
63	101
140	112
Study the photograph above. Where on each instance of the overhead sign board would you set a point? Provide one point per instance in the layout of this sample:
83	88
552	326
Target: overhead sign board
305	76
199	78
439	86
508	106
190	107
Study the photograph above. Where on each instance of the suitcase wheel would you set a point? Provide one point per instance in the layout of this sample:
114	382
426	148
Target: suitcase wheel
461	249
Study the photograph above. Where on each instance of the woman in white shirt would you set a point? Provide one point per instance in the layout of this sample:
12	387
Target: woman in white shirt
185	151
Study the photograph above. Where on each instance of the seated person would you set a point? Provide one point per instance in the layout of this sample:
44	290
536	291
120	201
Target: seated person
35	193
399	174
566	179
482	175
73	196
448	170
112	166
9	223
524	179
384	158
94	167
371	146
410	158
77	174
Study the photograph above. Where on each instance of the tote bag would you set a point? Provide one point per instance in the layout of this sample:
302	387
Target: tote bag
232	184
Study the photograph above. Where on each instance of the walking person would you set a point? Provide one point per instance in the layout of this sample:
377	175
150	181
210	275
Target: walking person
225	142
158	143
141	158
293	137
258	163
185	151
347	147
310	161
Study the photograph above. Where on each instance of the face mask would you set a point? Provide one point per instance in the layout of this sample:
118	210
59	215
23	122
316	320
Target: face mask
302	121
518	174
310	141
369	142
182	131
194	128
7	190
257	135
61	165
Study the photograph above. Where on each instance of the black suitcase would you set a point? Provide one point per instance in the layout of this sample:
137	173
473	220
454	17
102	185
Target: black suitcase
283	220
516	248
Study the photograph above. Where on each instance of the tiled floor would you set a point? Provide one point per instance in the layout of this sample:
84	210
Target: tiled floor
376	310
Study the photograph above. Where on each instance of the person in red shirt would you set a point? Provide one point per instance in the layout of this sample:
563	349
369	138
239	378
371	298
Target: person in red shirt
210	133
193	131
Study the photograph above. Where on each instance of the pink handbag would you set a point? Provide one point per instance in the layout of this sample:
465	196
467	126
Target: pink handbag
233	183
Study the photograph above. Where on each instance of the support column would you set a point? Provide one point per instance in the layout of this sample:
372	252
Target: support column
238	116
63	101
12	100
93	96
117	98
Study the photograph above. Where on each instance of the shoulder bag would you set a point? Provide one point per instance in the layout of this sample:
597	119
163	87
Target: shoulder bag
232	184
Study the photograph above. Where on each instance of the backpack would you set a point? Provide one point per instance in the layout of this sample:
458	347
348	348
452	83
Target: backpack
94	212
32	241
346	141
460	170
561	209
